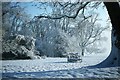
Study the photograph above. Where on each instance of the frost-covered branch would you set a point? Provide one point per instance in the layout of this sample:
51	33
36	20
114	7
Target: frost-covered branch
64	16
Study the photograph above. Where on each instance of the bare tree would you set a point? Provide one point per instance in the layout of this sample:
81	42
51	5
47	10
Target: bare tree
88	32
13	18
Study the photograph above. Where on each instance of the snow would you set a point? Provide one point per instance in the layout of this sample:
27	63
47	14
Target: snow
58	68
74	73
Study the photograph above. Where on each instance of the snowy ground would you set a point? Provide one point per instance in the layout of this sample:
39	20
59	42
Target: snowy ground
58	68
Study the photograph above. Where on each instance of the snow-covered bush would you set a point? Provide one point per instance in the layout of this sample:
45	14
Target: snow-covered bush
19	47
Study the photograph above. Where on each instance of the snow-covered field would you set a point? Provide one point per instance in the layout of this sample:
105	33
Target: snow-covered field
58	68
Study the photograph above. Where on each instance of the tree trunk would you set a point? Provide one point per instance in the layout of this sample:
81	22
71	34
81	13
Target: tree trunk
83	52
113	59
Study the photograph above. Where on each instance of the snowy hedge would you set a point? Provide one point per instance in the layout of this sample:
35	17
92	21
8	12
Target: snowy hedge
19	47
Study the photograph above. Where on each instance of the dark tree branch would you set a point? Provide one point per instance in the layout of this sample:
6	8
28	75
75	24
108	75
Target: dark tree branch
63	16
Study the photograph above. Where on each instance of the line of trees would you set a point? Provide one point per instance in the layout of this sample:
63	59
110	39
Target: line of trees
65	29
